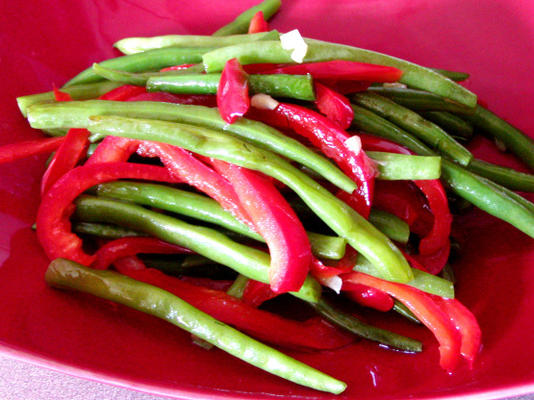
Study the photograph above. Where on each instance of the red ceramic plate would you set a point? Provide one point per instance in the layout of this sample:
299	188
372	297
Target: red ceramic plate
45	44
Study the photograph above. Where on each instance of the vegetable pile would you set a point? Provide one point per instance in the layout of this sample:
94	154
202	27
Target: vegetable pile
197	177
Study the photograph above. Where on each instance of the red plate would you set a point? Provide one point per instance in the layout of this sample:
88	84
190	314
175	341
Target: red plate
47	44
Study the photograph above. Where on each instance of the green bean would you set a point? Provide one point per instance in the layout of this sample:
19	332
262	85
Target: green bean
422	280
241	23
132	45
204	241
201	207
298	87
76	114
453	75
451	123
140	78
148	61
272	52
486	195
506	177
405	312
392	166
238	287
354	325
390	225
419	100
340	217
109	285
104	231
77	92
448	273
514	140
412	122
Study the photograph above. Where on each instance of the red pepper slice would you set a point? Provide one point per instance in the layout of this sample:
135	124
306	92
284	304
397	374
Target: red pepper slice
129	263
258	23
256	293
327	136
180	67
313	334
16	151
334	105
53	225
113	149
434	262
425	309
466	323
232	94
194	99
129	246
123	93
213	284
337	69
68	154
276	222
368	296
61	96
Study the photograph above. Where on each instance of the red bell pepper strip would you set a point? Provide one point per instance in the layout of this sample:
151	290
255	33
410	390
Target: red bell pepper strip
15	151
129	246
207	100
258	23
368	296
313	334
256	293
337	69
68	154
435	262
129	263
466	323
213	284
330	139
180	67
61	96
53	225
425	309
276	222
232	93
123	93
113	149
334	105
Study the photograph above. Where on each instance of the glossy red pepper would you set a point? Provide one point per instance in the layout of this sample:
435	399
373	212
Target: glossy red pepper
207	100
180	67
67	156
128	263
53	225
16	151
330	139
256	293
425	309
129	246
258	23
334	105
214	284
435	262
232	93
313	334
368	296
341	70
123	93
276	222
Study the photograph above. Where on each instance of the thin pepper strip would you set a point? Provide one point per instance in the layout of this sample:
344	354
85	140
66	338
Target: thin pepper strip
16	151
334	105
425	309
53	225
123	93
232	93
368	296
129	246
258	23
276	222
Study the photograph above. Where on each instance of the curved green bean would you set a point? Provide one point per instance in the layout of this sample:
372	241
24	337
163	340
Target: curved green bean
241	23
412	122
148	61
76	114
109	285
392	166
104	231
208	242
390	225
277	85
506	177
451	123
272	52
133	45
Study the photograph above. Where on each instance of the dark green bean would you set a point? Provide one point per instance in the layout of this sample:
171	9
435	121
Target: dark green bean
454	125
140	78
152	60
277	85
132	45
354	325
393	227
204	241
506	177
272	52
241	23
405	312
104	231
109	285
412	122
453	75
392	166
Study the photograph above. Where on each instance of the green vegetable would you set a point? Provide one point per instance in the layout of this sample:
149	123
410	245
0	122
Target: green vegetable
65	274
453	124
453	75
392	166
506	177
238	287
104	231
134	45
277	85
241	23
390	225
405	312
204	241
140	78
